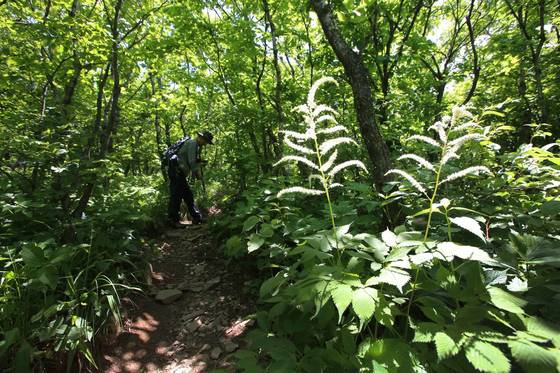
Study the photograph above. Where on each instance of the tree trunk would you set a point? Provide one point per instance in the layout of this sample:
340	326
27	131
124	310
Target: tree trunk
359	78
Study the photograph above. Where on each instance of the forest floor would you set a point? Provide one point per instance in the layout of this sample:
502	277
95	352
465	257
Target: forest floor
205	317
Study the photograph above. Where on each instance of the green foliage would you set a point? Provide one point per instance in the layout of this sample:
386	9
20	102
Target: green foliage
348	298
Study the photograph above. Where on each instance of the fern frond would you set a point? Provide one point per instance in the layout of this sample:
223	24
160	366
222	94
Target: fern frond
329	144
467	171
331	130
297	135
328	164
297	159
410	179
425	139
421	161
300	190
297	147
315	87
339	167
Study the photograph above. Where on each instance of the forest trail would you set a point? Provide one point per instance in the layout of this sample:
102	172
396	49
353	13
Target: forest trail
197	332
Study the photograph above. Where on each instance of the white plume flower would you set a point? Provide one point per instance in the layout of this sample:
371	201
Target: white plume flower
464	126
300	190
336	169
421	161
425	139
314	177
321	108
326	117
329	144
328	164
332	130
297	159
467	171
315	87
449	155
297	135
463	139
297	147
410	179
438	127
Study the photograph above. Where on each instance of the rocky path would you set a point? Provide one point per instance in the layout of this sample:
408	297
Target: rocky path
193	318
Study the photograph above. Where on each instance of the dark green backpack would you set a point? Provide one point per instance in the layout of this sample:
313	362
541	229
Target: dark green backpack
171	152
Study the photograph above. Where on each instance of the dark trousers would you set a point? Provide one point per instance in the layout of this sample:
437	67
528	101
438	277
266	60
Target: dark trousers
179	190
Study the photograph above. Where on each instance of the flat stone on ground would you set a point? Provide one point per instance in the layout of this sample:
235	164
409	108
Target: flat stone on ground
215	353
168	296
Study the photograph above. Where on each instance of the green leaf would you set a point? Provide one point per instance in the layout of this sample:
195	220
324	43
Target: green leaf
266	231
271	284
445	345
389	238
550	208
469	224
33	256
506	301
493	112
250	223
394	276
426	332
48	276
487	358
342	297
255	242
363	303
528	352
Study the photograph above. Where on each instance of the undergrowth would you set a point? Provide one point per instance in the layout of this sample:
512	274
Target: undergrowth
469	283
59	300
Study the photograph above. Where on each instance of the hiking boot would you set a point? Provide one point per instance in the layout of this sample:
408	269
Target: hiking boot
175	224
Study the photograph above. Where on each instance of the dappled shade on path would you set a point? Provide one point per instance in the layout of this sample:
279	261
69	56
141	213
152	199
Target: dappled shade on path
195	333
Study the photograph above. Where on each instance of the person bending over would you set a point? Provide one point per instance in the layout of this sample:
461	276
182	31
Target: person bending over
185	161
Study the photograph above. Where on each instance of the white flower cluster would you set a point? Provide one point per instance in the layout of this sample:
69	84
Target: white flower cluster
446	129
313	115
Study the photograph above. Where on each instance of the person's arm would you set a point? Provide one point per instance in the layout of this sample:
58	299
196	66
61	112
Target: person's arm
191	159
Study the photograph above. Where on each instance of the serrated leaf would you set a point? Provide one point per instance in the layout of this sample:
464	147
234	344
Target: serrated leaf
394	276
470	225
528	352
506	301
342	297
487	358
517	285
451	249
389	238
426	332
445	345
363	303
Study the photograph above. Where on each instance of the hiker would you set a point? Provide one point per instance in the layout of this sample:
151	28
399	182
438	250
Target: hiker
184	159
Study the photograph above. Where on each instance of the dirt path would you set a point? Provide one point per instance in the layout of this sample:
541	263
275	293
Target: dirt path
198	331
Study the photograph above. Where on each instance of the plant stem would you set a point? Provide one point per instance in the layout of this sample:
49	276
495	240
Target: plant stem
326	188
